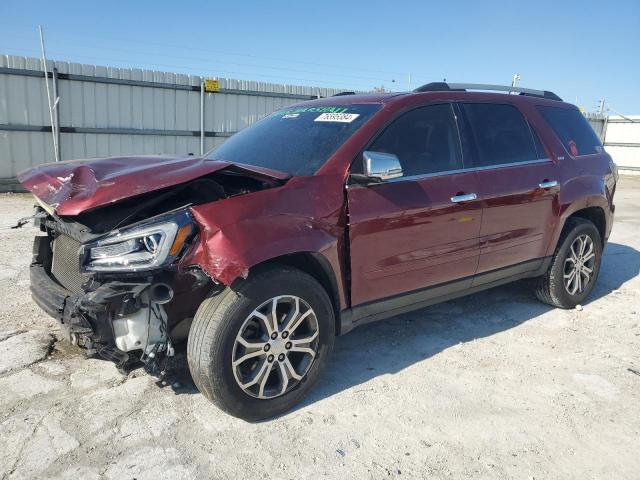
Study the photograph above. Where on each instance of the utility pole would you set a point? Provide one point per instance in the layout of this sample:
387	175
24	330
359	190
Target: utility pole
52	106
409	83
601	107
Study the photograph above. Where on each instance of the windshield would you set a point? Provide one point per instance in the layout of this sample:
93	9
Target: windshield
297	141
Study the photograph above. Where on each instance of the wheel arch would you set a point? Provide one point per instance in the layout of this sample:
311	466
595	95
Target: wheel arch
596	215
315	265
585	196
593	208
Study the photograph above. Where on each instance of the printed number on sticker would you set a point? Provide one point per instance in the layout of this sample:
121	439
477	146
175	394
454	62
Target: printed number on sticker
337	117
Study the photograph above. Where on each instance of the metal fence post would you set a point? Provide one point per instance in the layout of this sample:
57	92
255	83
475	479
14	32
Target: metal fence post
201	116
92	126
56	113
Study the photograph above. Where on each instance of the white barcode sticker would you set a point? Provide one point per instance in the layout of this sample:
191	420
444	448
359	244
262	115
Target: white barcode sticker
337	117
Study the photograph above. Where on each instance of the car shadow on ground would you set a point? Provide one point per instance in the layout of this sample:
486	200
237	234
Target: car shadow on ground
392	345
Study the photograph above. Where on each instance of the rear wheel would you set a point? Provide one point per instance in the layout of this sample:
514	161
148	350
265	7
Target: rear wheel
257	348
574	267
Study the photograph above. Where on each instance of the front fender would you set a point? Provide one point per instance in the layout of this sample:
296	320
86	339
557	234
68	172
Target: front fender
238	233
228	252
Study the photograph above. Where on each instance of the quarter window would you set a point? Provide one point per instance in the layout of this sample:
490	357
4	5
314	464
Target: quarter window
425	140
573	130
500	133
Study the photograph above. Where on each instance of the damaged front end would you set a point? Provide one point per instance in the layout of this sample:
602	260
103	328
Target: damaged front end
113	293
112	274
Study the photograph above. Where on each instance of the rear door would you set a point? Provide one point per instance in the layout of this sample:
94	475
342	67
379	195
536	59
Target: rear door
411	233
518	185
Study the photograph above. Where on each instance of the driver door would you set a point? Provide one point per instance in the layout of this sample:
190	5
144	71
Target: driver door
420	230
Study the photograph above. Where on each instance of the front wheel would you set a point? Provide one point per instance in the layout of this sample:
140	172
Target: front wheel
574	267
257	348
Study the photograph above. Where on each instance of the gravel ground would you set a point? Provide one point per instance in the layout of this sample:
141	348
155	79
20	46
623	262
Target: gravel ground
495	385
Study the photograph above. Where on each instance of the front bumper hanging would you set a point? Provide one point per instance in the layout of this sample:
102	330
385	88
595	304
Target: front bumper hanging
114	319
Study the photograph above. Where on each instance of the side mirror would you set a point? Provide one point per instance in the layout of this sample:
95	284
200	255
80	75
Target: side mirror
382	166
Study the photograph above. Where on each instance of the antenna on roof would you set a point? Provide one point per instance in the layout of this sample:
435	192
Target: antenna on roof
514	79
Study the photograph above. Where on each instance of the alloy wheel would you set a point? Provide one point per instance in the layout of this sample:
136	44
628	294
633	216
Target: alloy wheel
275	347
579	265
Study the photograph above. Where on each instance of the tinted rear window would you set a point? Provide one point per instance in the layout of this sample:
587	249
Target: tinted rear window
298	140
573	130
500	133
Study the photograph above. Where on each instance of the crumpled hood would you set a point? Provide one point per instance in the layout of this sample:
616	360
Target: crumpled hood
75	186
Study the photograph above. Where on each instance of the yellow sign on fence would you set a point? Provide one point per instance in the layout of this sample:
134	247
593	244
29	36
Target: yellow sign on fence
211	85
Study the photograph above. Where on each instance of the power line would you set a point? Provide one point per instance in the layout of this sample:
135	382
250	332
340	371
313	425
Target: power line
83	37
190	47
225	62
217	72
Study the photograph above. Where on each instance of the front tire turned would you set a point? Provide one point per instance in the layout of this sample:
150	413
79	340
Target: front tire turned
256	348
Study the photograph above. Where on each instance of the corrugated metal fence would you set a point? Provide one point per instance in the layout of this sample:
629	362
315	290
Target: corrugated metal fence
106	111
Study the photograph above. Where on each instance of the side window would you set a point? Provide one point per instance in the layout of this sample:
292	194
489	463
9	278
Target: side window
500	133
425	140
573	130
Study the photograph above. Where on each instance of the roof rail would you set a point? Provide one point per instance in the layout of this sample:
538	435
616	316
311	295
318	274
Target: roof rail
463	87
343	93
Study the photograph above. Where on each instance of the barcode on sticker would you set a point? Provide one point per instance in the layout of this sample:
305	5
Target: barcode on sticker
337	117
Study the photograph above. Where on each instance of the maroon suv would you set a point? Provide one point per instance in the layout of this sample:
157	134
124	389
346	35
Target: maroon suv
321	217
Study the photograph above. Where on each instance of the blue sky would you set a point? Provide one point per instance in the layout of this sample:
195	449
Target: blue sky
583	50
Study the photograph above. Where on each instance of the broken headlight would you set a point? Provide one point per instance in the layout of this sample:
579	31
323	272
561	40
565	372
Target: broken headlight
143	247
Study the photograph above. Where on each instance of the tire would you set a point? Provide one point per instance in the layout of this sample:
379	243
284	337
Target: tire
214	343
551	287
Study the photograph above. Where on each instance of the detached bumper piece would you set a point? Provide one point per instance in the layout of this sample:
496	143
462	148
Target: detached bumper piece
60	303
49	296
112	320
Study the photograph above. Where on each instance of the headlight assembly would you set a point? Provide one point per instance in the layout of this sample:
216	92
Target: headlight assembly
143	247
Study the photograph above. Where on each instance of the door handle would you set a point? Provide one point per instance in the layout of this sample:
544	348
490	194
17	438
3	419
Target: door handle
464	198
548	184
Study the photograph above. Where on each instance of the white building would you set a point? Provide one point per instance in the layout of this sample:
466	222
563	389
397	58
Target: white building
622	141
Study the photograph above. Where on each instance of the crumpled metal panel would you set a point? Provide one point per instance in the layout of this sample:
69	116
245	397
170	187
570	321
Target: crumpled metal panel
238	233
73	187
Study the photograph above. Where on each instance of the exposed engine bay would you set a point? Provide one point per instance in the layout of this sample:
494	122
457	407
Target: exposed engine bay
202	190
112	276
